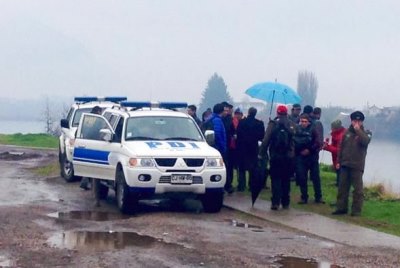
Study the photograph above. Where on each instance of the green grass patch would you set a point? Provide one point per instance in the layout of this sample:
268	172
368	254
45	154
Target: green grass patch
49	170
380	209
31	140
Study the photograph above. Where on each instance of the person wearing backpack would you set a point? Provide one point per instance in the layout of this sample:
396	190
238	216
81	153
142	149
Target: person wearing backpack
307	147
278	141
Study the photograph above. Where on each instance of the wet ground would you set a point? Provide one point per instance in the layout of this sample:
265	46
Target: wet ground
46	222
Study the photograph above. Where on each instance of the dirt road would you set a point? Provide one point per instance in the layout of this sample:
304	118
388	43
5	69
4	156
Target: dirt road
46	222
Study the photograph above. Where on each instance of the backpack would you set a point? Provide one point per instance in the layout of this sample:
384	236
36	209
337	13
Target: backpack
281	140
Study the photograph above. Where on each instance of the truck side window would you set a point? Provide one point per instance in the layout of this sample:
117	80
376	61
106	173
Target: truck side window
91	127
118	130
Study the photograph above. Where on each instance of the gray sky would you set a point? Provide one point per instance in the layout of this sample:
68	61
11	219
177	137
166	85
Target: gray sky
167	50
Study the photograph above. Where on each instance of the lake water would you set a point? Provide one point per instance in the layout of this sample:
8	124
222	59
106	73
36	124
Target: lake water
382	162
24	127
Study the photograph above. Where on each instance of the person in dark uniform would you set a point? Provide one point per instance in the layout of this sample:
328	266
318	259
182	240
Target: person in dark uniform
351	162
281	156
307	147
249	132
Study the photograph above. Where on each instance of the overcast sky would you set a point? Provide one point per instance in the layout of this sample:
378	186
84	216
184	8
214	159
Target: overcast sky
167	50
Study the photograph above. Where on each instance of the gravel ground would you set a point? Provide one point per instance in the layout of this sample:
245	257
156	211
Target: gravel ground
46	222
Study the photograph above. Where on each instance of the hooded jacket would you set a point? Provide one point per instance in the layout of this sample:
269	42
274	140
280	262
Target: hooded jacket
334	146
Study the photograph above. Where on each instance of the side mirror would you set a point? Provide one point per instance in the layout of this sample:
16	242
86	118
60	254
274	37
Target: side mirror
210	137
106	134
64	123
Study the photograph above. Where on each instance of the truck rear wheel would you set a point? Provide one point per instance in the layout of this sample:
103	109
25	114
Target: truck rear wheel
212	202
126	201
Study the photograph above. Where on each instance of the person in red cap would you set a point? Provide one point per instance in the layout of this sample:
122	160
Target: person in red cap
278	141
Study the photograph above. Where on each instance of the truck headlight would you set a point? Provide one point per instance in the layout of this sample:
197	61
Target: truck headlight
141	162
147	162
214	162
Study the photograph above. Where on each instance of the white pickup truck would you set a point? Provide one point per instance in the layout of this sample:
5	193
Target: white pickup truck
143	150
70	124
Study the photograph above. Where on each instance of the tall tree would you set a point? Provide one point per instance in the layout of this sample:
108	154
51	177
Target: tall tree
307	87
215	92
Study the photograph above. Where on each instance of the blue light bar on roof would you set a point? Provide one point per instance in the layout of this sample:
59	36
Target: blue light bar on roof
142	104
172	105
89	99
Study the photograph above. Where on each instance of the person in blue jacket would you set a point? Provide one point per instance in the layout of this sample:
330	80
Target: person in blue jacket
215	123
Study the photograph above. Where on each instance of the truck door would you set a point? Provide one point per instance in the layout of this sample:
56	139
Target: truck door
92	148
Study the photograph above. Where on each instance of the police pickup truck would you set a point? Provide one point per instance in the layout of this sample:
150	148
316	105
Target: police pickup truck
143	150
69	125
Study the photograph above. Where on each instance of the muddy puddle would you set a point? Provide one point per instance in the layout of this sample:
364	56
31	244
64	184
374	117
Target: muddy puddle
295	262
89	215
16	155
99	241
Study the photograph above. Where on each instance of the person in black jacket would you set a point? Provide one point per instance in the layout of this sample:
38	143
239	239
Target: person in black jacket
191	110
249	132
307	147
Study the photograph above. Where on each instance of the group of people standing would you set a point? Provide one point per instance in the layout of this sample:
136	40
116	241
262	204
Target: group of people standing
290	144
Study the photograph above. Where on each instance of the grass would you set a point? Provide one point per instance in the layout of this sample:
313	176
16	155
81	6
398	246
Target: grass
31	140
380	209
50	170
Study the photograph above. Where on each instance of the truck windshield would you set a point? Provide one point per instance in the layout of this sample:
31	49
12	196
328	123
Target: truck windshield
162	128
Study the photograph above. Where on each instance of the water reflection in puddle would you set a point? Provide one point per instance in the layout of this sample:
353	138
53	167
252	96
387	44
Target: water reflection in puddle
5	262
101	240
290	261
88	215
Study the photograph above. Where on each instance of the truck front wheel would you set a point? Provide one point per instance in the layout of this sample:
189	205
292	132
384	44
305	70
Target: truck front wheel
126	201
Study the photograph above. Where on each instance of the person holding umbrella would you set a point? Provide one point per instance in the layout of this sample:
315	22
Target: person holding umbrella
278	141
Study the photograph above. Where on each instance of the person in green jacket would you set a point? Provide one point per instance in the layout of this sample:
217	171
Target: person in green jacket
351	162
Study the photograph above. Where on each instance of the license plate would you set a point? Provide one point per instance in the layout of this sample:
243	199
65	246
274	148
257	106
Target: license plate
181	179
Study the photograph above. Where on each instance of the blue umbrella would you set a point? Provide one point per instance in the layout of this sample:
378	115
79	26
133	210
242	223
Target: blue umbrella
271	92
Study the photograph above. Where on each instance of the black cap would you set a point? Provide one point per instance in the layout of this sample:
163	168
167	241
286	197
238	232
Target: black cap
296	106
357	115
308	109
227	104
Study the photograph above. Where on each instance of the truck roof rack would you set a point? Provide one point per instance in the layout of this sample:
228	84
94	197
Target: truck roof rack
148	104
90	99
